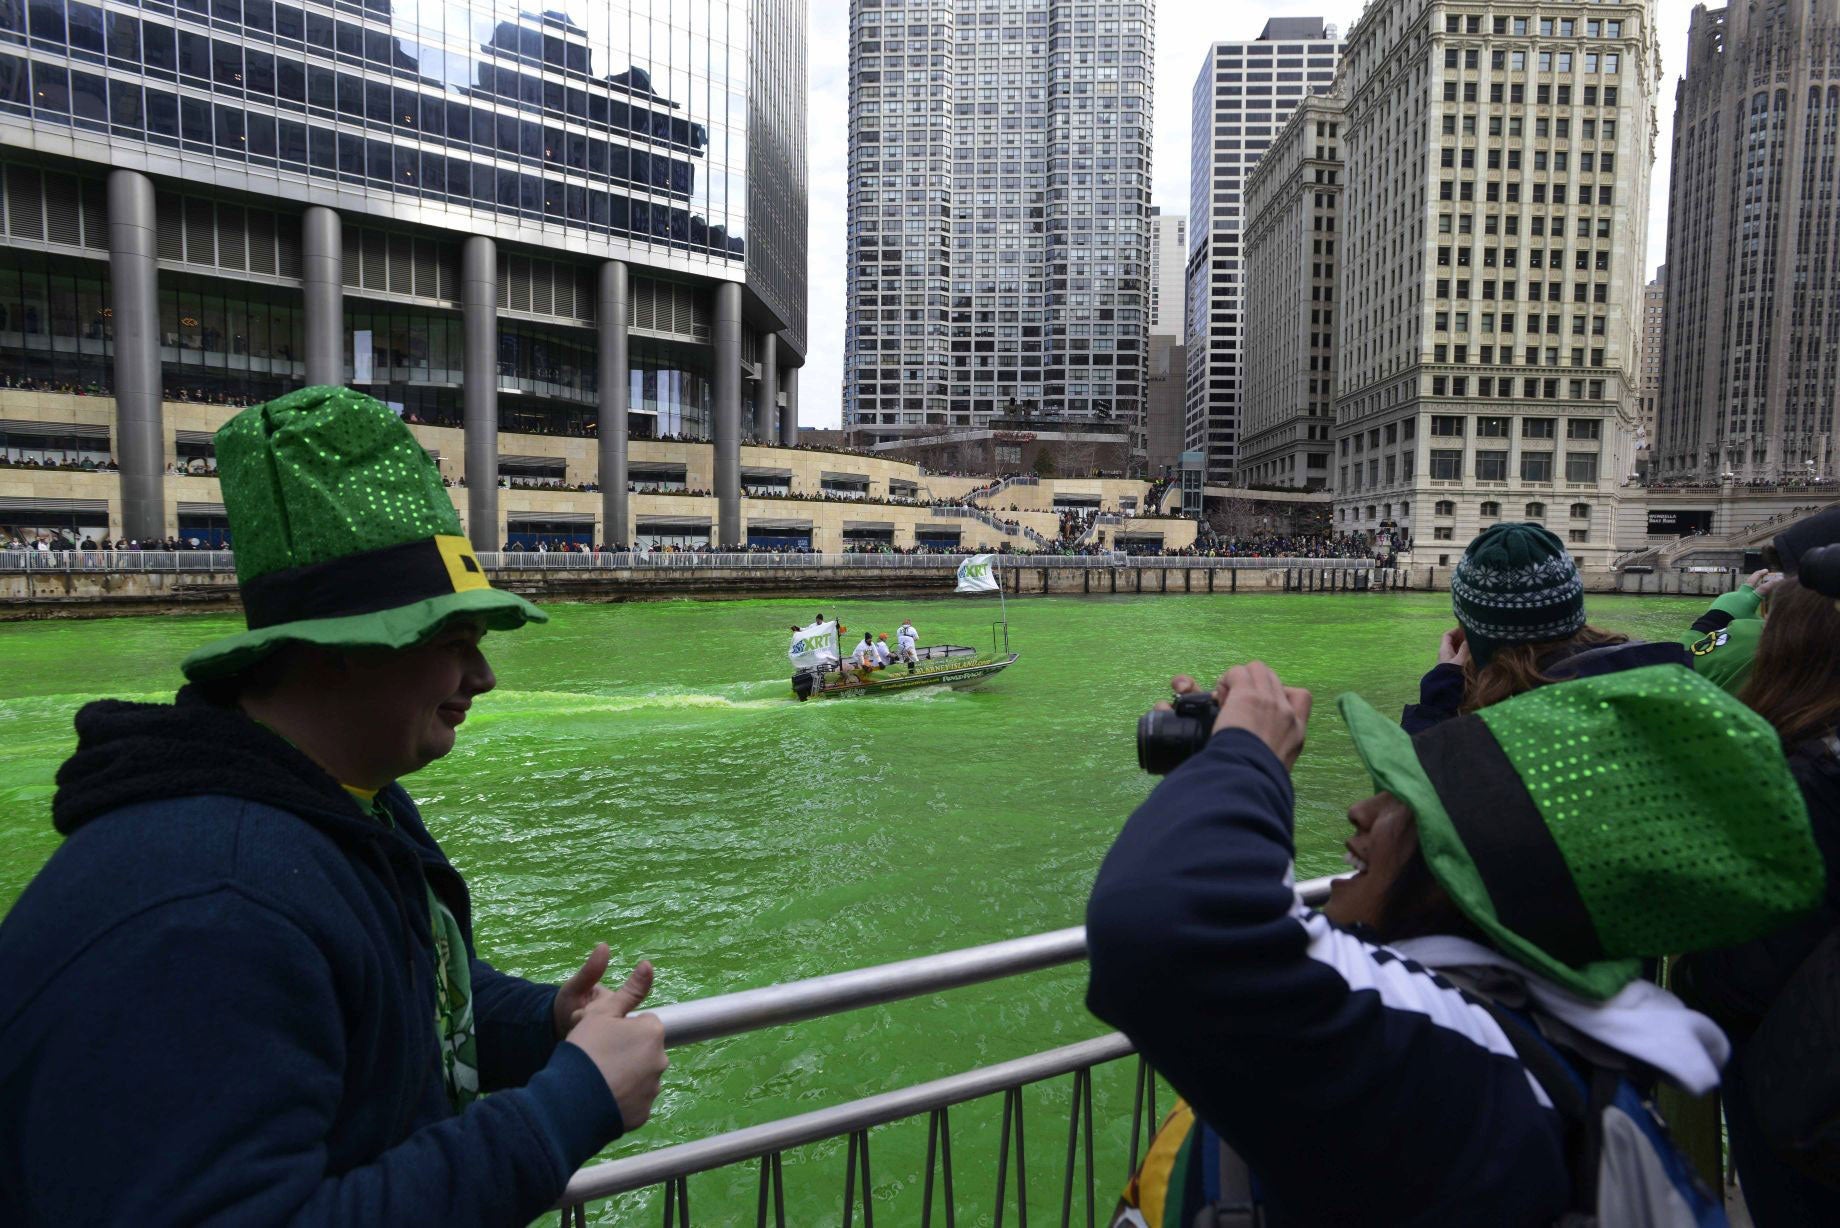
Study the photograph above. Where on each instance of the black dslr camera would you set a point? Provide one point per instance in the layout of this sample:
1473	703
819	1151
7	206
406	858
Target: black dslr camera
1167	737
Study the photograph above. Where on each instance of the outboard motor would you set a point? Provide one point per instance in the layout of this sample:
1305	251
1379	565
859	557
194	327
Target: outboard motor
804	683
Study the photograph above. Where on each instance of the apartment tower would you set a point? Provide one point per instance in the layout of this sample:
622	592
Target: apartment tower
999	219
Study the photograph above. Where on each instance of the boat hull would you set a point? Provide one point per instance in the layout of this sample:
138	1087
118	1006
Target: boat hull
955	677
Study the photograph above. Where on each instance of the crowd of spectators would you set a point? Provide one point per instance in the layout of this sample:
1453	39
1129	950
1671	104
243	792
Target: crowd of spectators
63	464
63	539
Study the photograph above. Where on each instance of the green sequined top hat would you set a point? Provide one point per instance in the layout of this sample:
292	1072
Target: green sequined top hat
1515	584
1587	825
344	535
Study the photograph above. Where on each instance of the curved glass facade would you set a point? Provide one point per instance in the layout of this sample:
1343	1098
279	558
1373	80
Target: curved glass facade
621	119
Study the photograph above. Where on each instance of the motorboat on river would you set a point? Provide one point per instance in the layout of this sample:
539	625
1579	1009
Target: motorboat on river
819	667
948	665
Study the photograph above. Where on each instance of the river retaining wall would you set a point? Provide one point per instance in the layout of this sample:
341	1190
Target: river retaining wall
55	594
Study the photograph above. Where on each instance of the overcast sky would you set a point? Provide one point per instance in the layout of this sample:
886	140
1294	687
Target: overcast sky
1184	28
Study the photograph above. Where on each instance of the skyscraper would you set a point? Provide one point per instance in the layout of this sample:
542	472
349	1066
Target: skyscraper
1168	255
1750	371
1242	97
1293	198
1654	313
585	225
999	232
1491	268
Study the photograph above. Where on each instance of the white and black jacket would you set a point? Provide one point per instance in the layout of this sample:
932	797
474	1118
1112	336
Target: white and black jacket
1358	1081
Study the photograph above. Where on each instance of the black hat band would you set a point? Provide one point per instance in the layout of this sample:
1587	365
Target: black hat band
363	583
1521	866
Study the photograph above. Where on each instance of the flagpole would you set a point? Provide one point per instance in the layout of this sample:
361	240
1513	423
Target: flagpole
1002	602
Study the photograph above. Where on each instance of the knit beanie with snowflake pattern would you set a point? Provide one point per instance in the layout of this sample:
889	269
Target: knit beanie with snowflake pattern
1516	584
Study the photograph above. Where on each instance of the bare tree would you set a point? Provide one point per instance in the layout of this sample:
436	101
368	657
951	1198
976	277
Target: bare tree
1234	516
1078	458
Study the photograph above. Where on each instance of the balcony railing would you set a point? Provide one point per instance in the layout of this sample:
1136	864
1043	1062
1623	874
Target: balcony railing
669	1169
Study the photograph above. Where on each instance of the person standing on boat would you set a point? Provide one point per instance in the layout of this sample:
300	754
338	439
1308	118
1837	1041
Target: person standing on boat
908	638
245	989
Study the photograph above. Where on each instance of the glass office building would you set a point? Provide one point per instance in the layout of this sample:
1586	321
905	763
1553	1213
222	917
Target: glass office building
588	220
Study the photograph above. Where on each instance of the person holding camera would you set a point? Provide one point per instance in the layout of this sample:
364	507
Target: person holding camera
1454	1036
1775	997
1519	603
1724	639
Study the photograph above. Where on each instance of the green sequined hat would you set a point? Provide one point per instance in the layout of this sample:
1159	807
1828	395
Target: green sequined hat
344	535
1588	825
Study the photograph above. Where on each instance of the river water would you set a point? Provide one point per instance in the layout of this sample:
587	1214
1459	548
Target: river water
641	775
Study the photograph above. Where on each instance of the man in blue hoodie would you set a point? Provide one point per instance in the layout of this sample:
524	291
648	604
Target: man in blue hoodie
244	990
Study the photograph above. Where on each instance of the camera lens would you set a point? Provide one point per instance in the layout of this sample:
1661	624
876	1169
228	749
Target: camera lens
1166	739
1820	571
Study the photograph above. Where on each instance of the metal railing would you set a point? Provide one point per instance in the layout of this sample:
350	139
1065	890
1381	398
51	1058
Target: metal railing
204	561
670	1168
128	561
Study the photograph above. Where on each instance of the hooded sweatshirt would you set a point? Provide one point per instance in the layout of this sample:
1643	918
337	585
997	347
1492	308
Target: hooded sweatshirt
1361	1083
216	1003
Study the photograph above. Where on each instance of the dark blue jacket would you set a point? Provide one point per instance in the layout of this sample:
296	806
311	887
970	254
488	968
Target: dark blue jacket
217	1004
1360	1087
1440	691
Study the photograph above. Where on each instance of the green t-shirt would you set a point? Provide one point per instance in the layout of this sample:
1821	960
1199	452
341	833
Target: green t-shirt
454	1031
1723	655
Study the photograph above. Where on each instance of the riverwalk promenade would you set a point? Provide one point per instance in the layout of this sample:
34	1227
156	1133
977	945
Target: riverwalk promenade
50	584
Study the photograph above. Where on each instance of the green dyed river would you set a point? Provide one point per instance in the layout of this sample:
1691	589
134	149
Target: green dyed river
641	775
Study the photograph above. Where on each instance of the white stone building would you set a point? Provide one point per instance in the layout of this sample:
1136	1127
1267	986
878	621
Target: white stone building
1492	265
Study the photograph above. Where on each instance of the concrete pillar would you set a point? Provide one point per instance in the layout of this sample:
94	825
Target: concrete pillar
615	395
479	315
766	399
725	341
322	288
140	439
789	417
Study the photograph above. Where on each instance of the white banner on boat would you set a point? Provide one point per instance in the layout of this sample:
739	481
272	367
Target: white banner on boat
814	647
977	574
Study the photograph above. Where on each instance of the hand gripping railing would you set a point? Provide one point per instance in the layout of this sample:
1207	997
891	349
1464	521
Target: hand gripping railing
751	1010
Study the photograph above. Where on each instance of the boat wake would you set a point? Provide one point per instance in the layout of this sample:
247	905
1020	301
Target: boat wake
502	705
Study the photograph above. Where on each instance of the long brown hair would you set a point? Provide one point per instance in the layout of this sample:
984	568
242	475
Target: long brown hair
1515	668
1795	676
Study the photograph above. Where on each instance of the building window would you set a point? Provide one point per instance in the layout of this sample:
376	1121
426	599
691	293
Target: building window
1536	511
1443	533
1537	428
1583	428
1491	466
1581	511
1446	466
1536	466
1445	507
1491	510
1581	466
1491	428
1447	425
1579	535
